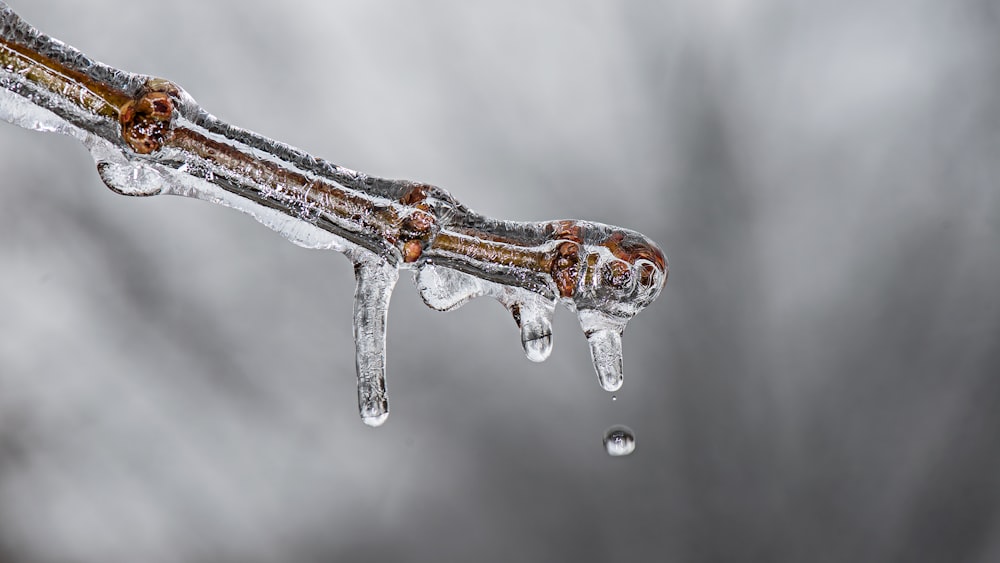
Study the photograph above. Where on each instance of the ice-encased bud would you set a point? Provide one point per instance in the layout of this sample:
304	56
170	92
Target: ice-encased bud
604	334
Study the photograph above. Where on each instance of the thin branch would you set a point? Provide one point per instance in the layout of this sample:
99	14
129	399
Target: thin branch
150	137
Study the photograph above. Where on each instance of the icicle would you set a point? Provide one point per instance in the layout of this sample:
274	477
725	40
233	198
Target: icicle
375	281
604	334
445	289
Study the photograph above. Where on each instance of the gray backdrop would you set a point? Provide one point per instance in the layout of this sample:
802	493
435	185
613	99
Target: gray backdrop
818	382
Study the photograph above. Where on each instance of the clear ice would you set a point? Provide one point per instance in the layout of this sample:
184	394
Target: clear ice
149	137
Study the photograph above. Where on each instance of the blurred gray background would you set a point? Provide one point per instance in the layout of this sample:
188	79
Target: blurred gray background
820	380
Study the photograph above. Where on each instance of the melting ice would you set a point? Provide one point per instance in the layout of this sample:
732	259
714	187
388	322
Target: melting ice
604	273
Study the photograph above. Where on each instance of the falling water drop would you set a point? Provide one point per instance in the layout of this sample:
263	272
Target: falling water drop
614	397
619	441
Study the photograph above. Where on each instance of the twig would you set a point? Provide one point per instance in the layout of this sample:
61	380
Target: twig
150	137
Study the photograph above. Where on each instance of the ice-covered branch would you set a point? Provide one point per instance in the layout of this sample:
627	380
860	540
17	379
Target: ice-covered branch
150	137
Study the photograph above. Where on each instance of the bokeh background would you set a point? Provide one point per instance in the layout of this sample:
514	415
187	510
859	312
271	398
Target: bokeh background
820	380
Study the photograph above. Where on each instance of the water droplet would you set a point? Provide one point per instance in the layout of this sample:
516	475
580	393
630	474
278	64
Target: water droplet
614	397
619	441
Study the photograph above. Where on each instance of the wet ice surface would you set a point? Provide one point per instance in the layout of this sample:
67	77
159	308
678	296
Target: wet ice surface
445	289
275	185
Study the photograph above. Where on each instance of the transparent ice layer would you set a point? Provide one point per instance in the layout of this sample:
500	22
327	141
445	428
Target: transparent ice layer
149	137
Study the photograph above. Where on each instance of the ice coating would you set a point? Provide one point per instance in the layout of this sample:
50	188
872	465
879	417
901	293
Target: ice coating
149	137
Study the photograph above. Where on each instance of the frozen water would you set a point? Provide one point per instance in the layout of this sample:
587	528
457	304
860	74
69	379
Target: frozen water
375	280
149	137
604	334
131	179
18	110
534	315
619	441
444	289
536	337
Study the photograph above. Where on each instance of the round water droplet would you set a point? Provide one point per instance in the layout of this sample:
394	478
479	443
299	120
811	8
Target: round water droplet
614	397
619	441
